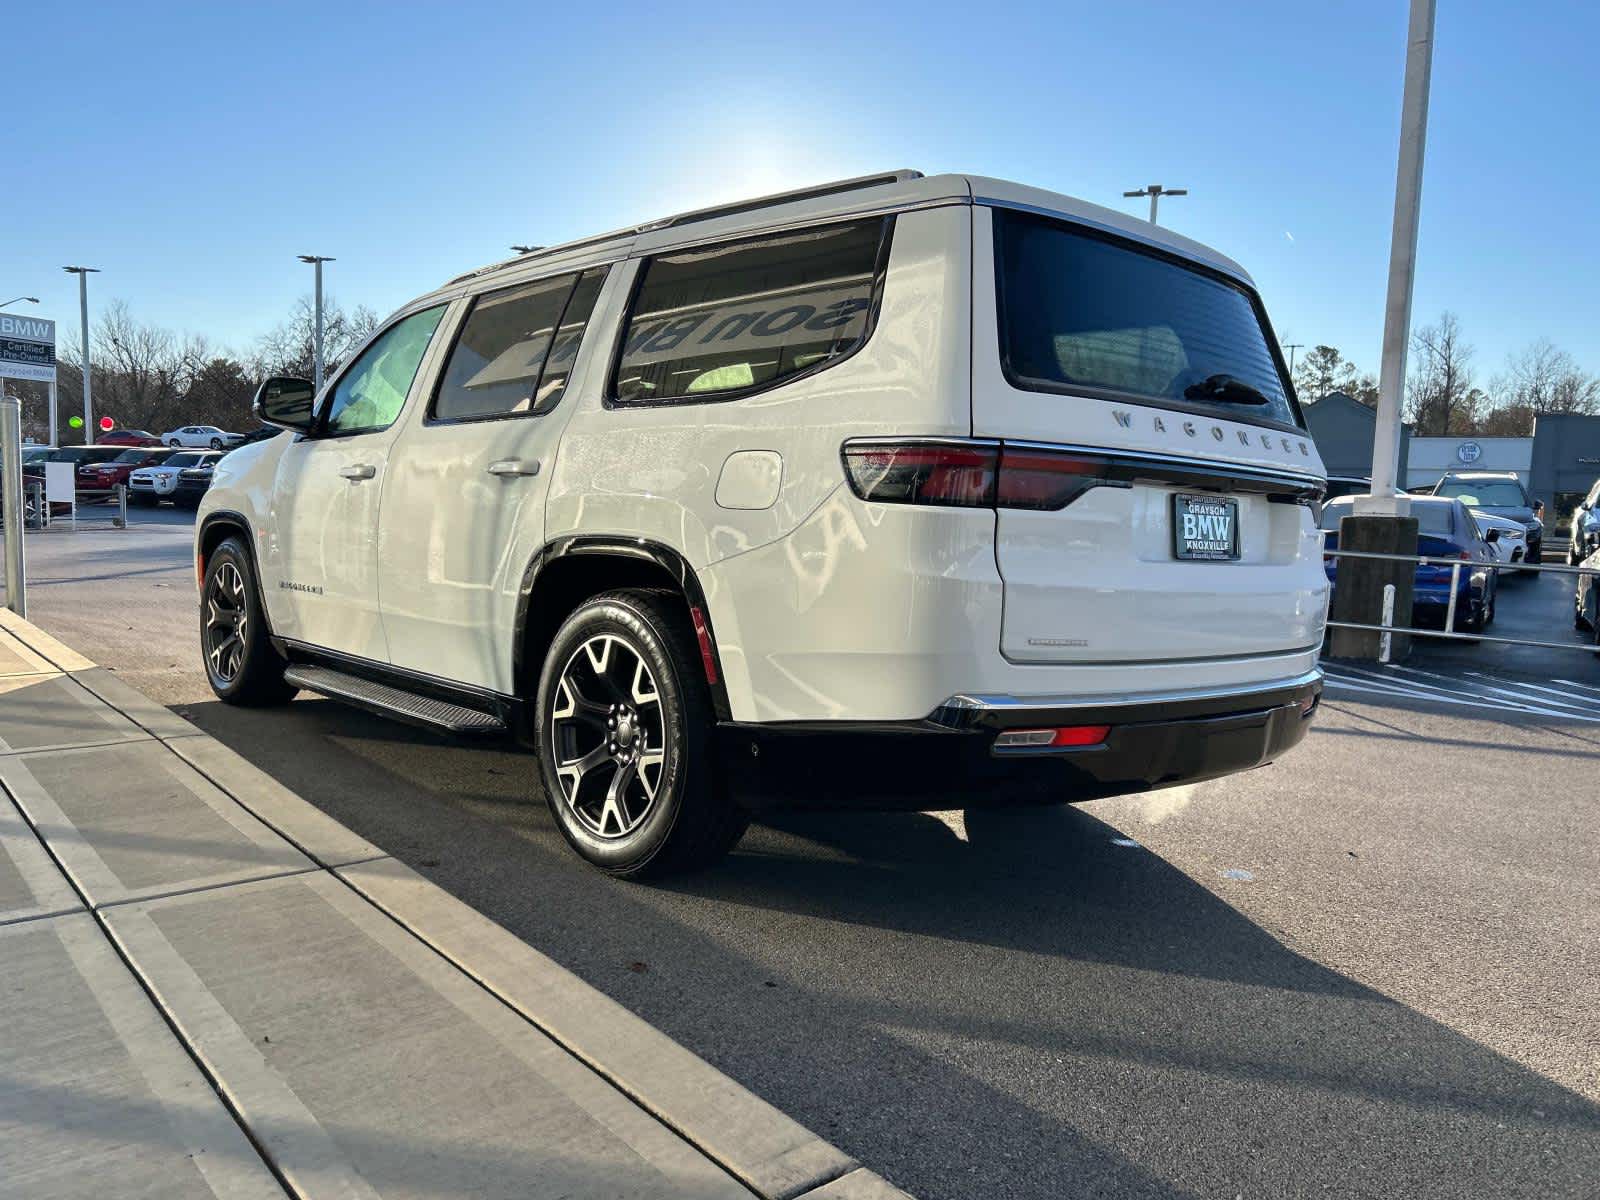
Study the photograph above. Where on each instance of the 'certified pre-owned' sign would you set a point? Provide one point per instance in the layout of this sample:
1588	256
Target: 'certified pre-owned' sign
27	348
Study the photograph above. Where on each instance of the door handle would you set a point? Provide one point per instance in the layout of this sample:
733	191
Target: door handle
356	472
514	466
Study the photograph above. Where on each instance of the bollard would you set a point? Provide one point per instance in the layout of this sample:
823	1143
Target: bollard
121	519
1384	641
1450	612
11	503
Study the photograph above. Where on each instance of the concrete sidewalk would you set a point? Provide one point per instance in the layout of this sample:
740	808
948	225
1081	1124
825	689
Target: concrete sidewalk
210	988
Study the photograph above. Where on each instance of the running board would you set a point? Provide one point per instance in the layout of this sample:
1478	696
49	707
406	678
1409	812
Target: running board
393	702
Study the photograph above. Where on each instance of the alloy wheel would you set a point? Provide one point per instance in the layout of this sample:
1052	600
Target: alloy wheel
227	615
609	736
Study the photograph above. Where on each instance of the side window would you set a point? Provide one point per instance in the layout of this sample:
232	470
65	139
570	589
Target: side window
370	395
516	349
713	322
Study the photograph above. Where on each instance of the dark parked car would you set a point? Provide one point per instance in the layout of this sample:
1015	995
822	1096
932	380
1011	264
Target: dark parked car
1446	529
1347	485
78	456
1500	494
260	434
128	437
193	482
1585	536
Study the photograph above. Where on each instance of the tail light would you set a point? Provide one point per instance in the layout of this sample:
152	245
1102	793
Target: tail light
971	474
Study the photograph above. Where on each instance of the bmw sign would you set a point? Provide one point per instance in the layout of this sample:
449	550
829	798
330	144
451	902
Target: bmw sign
1469	452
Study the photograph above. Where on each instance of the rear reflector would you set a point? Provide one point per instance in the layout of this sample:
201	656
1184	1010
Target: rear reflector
971	474
702	634
1061	735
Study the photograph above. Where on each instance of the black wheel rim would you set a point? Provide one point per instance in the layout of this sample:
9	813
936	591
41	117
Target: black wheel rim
227	622
608	736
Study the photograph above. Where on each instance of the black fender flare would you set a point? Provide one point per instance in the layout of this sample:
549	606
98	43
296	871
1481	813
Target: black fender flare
637	549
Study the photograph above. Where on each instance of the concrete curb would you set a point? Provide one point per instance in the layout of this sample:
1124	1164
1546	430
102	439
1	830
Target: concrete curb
765	1150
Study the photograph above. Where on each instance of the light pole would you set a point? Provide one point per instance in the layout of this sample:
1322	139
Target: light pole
1402	264
14	299
1291	347
526	249
316	260
83	274
1155	191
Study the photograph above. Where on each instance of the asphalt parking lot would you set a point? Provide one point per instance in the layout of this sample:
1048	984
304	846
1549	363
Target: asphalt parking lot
1369	969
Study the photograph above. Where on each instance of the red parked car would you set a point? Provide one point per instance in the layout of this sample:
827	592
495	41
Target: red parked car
128	437
101	478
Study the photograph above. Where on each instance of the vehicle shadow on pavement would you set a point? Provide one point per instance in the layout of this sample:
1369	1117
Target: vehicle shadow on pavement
1000	1003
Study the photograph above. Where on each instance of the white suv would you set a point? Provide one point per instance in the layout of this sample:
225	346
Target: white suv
903	490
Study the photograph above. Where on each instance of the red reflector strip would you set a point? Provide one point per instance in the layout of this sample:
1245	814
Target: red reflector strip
1062	735
702	634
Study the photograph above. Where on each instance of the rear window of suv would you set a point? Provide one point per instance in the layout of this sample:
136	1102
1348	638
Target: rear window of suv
1485	493
1086	315
722	321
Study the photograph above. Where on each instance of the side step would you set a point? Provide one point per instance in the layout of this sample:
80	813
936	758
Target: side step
393	702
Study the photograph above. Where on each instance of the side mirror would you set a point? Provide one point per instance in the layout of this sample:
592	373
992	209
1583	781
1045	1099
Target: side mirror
285	401
1492	536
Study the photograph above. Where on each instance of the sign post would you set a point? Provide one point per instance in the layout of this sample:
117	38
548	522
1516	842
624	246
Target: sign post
28	351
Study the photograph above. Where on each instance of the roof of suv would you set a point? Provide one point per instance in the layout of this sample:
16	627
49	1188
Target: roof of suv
868	195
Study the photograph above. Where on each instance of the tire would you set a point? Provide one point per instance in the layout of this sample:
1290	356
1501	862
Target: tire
249	673
175	443
216	443
591	676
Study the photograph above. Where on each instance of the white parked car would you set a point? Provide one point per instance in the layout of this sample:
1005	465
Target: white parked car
202	435
904	491
151	485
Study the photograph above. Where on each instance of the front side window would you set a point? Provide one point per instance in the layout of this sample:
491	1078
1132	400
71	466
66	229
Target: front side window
718	321
1080	313
184	460
370	395
516	349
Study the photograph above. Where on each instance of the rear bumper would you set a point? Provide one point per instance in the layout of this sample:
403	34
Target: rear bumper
949	760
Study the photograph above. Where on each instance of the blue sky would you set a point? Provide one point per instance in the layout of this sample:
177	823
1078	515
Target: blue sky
191	151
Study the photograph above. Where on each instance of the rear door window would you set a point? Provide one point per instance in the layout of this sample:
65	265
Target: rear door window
516	349
717	322
1088	315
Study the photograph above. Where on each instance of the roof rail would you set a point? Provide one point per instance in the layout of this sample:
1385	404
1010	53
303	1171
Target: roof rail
806	193
706	214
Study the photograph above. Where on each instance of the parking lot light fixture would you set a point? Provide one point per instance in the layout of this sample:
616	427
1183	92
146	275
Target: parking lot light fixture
316	260
1155	191
13	300
83	274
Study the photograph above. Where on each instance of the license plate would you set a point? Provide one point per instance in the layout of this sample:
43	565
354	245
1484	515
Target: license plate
1205	528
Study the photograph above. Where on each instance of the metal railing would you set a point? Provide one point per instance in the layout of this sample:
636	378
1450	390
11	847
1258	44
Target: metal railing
1387	628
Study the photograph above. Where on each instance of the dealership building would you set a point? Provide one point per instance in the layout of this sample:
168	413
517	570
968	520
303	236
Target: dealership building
1558	464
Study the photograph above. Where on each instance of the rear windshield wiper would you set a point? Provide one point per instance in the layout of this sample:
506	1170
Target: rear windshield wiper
1225	389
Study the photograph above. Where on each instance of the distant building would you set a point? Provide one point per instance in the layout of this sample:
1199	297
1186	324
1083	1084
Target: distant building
1558	464
1342	427
1431	457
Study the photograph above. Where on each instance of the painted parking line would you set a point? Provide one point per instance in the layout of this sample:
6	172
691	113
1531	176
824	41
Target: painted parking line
1474	690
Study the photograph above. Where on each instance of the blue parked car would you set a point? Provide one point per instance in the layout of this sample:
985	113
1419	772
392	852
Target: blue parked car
1446	529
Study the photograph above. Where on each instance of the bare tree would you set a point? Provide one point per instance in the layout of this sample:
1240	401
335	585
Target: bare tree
289	348
1542	378
1440	397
